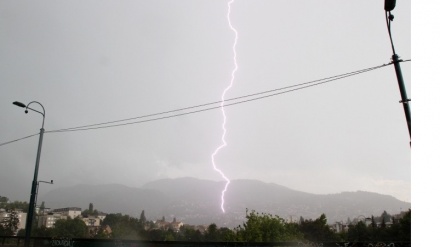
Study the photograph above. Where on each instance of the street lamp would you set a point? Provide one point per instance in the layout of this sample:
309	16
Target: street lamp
389	5
38	186
32	200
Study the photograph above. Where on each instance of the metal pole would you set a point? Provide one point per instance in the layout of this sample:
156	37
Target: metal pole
389	5
31	210
405	100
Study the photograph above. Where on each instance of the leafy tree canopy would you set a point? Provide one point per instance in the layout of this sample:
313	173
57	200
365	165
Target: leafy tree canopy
265	228
70	228
9	225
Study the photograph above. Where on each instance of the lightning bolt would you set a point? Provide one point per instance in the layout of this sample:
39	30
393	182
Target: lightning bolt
231	83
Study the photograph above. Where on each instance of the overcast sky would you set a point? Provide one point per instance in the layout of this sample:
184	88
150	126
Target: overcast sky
90	62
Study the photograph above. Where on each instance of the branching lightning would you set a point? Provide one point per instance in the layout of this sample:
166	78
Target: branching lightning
231	83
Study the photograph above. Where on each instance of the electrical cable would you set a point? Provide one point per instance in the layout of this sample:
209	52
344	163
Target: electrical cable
295	88
19	139
207	104
316	82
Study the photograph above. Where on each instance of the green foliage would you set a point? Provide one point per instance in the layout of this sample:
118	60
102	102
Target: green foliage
169	235
373	222
154	235
258	227
16	205
318	230
405	227
212	233
42	232
265	228
70	228
226	234
188	233
21	233
398	231
9	225
123	226
101	234
142	218
90	211
385	216
359	232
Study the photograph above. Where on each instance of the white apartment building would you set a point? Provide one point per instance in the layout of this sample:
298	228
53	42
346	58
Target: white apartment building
71	212
48	220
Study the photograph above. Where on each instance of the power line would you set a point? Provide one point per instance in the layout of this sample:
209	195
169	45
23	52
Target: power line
286	90
217	102
274	92
16	140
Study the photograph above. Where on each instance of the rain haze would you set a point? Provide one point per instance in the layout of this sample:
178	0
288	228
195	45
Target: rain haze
90	62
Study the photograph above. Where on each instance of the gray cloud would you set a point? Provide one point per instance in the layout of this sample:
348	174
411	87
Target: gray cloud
92	62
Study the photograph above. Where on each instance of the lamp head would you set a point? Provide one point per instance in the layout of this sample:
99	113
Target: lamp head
390	4
19	104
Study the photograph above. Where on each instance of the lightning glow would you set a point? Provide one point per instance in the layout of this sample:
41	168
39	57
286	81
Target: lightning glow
231	83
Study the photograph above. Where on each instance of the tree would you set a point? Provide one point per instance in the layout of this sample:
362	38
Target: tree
9	224
386	217
42	207
42	232
188	233
382	224
90	211
16	205
226	234
70	228
317	230
2	230
123	226
358	232
265	228
212	233
373	222
155	235
405	227
142	218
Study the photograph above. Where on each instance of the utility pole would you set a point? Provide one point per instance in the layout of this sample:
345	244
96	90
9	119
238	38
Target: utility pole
389	5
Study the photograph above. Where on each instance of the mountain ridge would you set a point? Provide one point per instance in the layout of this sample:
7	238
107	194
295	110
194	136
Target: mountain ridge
197	201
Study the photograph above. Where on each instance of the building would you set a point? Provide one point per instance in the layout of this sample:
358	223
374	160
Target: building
48	220
101	216
5	216
92	221
165	225
175	225
71	212
339	227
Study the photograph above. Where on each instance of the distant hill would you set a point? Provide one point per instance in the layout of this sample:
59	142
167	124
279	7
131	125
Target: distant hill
196	201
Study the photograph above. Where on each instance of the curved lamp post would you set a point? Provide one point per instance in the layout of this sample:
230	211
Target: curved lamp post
32	200
389	5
